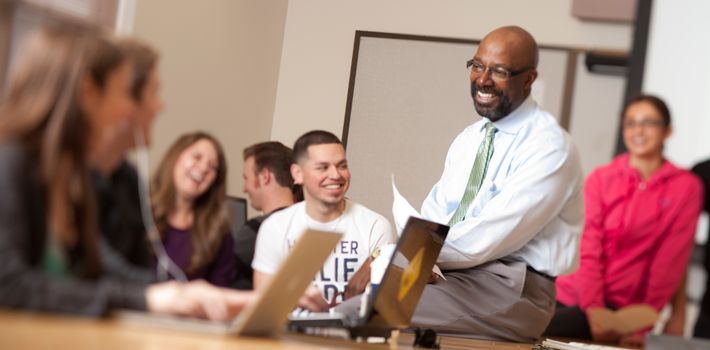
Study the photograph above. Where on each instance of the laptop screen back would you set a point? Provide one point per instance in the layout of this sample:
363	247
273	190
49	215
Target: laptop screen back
280	296
408	272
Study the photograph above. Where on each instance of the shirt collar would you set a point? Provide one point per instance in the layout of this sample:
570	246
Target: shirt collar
511	123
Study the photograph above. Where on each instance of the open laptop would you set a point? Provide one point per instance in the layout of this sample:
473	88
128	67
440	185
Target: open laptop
277	299
394	301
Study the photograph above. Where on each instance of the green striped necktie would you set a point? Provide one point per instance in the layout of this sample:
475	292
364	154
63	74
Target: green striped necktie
480	165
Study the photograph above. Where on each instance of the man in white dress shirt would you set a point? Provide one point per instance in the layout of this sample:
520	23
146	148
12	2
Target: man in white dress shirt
512	193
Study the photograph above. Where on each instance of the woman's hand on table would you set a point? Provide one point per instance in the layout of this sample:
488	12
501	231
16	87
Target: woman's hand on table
196	299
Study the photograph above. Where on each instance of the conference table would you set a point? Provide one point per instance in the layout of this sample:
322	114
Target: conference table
27	330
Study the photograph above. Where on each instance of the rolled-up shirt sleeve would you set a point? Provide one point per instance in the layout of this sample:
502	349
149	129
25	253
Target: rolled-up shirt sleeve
543	177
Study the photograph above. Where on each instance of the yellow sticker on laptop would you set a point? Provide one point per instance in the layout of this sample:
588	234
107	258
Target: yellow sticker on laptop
411	274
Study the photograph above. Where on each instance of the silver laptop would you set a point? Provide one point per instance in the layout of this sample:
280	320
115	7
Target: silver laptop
277	299
664	342
392	305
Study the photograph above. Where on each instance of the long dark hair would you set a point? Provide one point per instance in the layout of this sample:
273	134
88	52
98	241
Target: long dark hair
211	215
41	110
656	102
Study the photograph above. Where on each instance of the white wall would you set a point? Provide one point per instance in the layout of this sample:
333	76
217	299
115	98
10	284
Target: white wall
318	44
220	65
678	71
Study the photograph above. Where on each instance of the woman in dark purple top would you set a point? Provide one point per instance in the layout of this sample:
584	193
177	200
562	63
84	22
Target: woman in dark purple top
189	205
220	272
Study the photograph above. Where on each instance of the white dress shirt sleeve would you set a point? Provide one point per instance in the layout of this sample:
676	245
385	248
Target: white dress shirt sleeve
436	207
542	179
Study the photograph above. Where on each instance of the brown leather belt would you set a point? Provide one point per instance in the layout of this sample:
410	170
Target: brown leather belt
551	278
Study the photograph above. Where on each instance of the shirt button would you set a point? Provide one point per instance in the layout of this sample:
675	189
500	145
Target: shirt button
642	186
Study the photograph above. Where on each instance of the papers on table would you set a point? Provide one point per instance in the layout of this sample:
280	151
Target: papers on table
558	345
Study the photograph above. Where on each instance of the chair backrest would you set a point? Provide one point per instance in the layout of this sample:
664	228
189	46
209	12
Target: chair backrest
237	212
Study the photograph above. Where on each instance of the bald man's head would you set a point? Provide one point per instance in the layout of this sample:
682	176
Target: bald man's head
511	55
518	40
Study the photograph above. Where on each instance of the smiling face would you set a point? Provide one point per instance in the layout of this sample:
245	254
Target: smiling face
324	174
196	169
510	49
644	130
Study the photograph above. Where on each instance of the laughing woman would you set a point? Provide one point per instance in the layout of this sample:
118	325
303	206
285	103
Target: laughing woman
640	218
189	202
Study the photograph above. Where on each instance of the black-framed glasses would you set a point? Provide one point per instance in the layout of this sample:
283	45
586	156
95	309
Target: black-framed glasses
497	73
646	124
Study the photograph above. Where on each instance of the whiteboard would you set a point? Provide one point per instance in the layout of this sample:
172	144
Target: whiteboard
410	98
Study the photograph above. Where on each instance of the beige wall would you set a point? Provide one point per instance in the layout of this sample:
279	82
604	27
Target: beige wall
318	43
220	65
224	59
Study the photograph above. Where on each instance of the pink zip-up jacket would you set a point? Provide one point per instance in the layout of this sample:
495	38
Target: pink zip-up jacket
638	236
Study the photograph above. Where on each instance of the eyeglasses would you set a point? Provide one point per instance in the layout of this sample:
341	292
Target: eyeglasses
646	124
497	74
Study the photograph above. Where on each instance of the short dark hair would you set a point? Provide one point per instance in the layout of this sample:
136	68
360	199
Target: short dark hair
656	102
315	137
273	156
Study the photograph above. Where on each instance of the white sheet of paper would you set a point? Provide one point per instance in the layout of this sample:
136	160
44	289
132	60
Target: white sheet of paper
401	211
437	271
554	344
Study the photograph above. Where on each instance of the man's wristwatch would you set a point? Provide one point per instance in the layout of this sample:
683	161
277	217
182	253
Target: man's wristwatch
374	254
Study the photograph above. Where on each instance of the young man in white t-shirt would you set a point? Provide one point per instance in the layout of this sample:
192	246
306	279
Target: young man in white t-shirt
321	168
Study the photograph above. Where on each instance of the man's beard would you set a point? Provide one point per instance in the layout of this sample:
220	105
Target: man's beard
494	113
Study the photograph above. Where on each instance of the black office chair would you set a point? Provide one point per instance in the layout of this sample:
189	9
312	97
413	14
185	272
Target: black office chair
237	212
244	249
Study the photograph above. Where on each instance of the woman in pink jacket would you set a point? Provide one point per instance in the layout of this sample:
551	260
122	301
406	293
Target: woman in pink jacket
640	218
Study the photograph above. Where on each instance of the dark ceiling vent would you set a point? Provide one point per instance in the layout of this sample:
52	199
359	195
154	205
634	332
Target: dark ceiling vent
607	64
